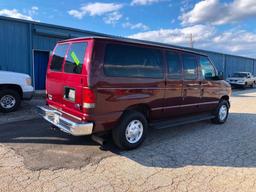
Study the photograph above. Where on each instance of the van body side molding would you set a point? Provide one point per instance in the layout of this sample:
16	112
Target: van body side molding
188	105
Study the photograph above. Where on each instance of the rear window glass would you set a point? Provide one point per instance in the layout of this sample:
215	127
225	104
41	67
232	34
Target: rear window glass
75	58
132	61
58	57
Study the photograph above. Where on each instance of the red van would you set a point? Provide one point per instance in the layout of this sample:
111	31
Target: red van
96	85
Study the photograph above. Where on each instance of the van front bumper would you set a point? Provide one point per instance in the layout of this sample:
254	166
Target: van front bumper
64	122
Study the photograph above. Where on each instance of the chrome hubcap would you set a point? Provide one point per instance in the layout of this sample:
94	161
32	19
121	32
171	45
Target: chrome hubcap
7	101
223	112
134	131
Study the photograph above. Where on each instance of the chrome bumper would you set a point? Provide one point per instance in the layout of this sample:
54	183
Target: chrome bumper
65	123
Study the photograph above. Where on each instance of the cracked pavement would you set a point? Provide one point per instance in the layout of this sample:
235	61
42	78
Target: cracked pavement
196	157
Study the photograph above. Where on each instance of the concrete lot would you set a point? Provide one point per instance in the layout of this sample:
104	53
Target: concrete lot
196	157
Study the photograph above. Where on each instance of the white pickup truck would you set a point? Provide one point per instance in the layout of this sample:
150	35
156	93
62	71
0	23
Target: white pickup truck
242	79
14	87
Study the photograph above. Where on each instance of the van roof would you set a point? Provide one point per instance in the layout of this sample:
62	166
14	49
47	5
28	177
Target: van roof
136	41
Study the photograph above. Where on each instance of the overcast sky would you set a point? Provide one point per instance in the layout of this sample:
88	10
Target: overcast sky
220	25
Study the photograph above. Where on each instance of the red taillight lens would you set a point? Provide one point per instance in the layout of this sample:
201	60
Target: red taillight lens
88	98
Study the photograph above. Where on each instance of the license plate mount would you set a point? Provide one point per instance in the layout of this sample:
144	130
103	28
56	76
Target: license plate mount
70	94
56	119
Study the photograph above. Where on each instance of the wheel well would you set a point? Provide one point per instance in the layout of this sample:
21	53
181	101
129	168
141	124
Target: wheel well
144	109
13	87
225	97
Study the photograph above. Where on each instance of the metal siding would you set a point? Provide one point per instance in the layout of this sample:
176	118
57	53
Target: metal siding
14	46
44	43
235	64
45	38
217	59
254	66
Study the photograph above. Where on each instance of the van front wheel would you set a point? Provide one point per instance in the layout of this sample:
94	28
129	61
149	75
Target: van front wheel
221	113
131	131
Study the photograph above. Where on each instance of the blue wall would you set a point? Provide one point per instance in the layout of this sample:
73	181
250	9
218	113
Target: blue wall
14	48
18	39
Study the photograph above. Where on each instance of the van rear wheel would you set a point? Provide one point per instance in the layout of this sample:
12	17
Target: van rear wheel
131	131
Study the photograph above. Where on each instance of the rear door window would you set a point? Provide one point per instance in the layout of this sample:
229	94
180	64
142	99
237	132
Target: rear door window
75	58
189	66
58	57
132	61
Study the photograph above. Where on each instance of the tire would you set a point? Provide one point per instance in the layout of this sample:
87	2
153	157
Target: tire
130	121
9	100
220	115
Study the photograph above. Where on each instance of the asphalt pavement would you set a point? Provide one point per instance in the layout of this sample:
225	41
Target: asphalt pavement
46	148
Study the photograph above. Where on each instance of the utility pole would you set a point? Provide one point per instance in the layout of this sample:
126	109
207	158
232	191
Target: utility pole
191	41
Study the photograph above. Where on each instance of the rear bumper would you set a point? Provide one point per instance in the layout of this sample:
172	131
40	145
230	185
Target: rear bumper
65	123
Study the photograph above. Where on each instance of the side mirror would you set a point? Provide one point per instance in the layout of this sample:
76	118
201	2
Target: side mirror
221	75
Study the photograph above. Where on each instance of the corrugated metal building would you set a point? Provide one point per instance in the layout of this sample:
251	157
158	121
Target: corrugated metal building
25	47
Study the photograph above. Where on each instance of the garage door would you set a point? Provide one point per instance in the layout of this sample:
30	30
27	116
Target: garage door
40	67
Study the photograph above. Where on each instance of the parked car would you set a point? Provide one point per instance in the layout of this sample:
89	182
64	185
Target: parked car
14	87
242	79
96	85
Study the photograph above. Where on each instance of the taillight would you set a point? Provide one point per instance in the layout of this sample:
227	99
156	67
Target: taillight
88	98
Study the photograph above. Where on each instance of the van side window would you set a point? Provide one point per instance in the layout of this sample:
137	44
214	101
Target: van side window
207	69
174	65
58	57
189	66
132	61
75	58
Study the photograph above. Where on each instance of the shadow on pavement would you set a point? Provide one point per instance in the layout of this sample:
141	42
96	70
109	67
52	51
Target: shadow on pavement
45	148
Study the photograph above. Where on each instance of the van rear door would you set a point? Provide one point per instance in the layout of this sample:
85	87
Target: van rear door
65	87
54	80
75	77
